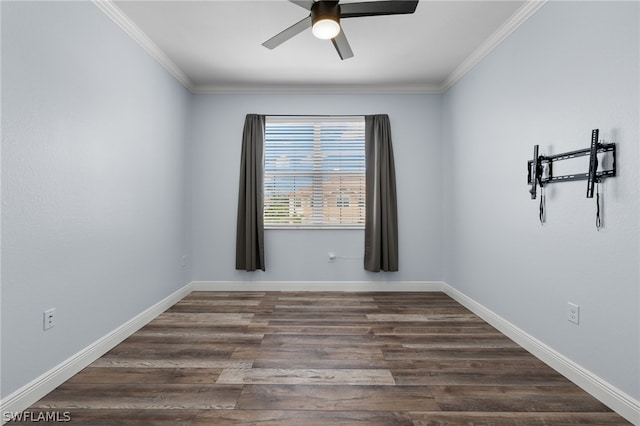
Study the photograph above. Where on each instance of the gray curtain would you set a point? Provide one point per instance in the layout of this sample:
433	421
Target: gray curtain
381	220
250	224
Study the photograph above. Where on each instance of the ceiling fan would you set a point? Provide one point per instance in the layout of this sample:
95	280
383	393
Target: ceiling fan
325	16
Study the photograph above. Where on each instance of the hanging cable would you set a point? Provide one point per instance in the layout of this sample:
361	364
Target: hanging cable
541	213
598	219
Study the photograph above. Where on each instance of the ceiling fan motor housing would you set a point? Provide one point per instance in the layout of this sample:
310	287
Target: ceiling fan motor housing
325	10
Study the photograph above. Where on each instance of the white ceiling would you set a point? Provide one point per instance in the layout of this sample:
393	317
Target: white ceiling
215	45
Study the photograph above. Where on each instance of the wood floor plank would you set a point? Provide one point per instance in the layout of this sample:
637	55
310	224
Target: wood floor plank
515	398
346	353
359	398
323	363
333	330
194	337
486	365
418	318
451	418
215	303
455	353
335	308
141	396
396	330
197	318
445	341
328	299
121	417
319	358
313	319
171	363
283	376
129	375
502	376
163	350
301	417
226	294
319	340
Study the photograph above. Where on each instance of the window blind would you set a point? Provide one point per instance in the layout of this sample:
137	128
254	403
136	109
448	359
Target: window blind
314	172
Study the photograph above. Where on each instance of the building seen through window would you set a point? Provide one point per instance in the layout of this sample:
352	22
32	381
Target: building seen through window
314	172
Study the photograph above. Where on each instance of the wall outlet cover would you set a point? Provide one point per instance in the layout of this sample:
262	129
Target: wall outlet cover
573	313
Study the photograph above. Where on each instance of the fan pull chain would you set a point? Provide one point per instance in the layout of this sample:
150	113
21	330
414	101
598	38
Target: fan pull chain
598	219
541	213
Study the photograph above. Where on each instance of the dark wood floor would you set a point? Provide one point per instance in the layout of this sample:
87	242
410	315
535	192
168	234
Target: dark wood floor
280	358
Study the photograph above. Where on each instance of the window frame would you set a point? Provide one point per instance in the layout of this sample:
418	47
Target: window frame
317	175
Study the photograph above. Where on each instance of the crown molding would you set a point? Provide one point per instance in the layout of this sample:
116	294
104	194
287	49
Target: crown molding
513	23
317	89
129	27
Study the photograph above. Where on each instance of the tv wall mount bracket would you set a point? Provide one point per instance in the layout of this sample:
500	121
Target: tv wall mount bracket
540	171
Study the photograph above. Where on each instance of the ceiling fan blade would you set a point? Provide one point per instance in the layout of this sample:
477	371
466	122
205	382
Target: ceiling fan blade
290	32
342	46
377	8
303	3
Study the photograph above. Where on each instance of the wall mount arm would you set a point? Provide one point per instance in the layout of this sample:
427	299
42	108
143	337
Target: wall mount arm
539	163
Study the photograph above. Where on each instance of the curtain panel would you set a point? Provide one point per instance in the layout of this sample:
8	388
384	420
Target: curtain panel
250	223
381	220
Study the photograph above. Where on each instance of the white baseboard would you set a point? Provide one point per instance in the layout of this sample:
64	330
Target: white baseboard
391	286
30	393
622	403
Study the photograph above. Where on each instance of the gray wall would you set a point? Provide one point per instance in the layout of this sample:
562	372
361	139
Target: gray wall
93	134
111	172
301	255
570	68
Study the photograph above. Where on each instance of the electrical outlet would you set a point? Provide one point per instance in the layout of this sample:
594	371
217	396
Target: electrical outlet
49	318
183	261
573	313
332	257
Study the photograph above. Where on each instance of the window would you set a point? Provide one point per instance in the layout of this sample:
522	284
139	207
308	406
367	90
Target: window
314	172
342	200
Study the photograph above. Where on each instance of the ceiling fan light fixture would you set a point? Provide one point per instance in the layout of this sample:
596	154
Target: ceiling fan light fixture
325	19
325	29
325	16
